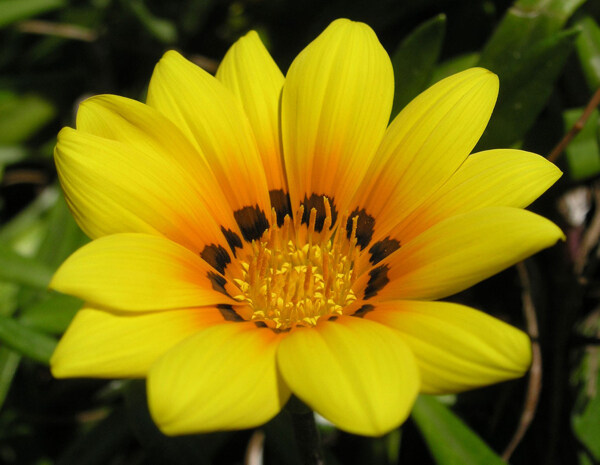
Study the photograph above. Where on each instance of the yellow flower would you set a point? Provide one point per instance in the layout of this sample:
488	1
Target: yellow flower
256	236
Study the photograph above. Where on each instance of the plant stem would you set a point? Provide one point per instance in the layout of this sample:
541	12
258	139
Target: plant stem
535	374
577	127
305	432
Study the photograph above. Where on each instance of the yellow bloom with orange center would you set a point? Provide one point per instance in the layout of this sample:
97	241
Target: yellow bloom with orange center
256	236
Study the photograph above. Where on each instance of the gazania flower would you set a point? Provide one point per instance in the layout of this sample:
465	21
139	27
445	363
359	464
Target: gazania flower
256	236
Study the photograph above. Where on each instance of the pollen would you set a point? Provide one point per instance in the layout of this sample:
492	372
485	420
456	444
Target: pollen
295	275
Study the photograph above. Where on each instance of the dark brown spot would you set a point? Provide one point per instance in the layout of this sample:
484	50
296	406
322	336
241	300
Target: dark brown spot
382	249
362	311
378	278
218	282
229	313
260	324
280	201
318	203
216	256
364	227
252	222
232	239
332	318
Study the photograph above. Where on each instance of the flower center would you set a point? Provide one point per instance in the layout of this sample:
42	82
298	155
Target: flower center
296	275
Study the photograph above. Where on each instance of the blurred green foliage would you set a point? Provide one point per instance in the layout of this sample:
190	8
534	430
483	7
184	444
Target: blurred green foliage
586	423
414	61
583	154
56	52
16	11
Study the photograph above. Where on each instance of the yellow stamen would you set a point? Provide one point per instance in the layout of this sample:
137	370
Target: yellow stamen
294	275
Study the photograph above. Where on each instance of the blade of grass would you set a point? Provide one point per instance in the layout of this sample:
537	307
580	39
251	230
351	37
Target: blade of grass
450	441
26	341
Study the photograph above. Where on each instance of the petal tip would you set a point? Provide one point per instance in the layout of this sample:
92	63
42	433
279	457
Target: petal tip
483	76
170	58
490	79
251	35
558	234
171	55
64	133
347	26
55	281
522	356
59	365
55	368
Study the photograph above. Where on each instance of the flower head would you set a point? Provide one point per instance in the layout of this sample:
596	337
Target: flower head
256	236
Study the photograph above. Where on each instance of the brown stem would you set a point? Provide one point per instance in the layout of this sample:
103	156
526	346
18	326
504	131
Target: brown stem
66	31
578	126
535	373
24	176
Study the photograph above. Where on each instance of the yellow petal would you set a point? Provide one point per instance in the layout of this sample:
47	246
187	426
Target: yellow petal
139	272
357	374
214	120
112	187
457	253
336	104
162	146
103	344
250	73
509	178
223	378
425	144
456	347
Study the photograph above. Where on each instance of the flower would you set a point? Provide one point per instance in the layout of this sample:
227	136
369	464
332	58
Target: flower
255	236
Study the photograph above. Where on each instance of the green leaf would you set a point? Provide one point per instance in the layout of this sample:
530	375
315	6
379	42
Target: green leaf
162	29
9	362
583	154
9	359
51	314
12	154
453	66
29	216
26	341
526	82
527	51
587	424
450	441
195	15
62	237
588	50
23	270
17	10
8	298
524	24
21	117
415	59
